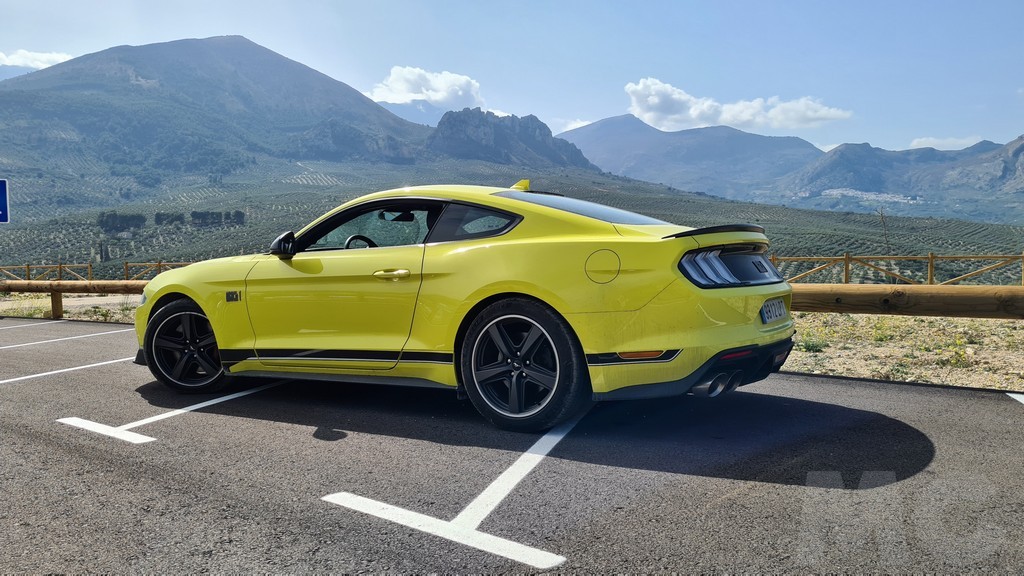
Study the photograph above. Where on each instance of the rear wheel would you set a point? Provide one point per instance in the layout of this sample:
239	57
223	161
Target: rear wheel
181	349
522	367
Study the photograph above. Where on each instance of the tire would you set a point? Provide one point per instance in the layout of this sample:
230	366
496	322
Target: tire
181	349
522	366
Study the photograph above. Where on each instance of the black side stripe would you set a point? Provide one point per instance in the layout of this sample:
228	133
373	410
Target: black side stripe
432	357
611	358
231	357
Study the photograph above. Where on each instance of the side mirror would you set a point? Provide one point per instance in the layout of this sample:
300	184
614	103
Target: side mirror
284	245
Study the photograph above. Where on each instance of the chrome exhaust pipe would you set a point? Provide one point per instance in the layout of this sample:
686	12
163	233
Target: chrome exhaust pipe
712	387
735	379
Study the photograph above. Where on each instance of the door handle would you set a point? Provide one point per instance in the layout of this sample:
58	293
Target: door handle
391	274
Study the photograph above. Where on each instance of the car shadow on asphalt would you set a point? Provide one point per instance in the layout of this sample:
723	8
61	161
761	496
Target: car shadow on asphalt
749	436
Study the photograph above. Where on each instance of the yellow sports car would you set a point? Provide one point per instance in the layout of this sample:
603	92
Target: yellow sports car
531	304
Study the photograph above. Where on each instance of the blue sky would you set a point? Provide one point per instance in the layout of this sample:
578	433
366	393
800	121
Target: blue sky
895	73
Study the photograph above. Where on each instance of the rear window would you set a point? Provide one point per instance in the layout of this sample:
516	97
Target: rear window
582	207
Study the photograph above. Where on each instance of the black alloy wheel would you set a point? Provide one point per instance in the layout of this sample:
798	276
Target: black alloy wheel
522	367
181	348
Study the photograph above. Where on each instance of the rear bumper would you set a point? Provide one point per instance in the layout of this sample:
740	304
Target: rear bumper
754	362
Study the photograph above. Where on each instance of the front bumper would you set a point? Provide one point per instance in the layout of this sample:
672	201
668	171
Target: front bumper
755	363
140	358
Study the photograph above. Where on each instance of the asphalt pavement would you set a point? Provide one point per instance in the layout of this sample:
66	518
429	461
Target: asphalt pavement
104	470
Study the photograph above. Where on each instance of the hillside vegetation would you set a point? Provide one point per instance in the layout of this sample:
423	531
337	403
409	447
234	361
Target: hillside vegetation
275	196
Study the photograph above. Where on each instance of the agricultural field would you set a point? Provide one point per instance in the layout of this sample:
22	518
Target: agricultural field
55	216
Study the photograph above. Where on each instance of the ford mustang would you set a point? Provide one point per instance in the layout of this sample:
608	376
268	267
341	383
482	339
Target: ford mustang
531	304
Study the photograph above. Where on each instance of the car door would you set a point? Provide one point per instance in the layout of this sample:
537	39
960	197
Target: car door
346	299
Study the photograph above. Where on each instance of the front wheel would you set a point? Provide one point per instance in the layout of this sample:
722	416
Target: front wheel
522	366
181	349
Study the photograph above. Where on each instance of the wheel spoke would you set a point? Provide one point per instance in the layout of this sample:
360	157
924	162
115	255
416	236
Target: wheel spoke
516	393
166	342
207	341
501	340
188	325
183	363
208	365
490	374
542	377
532	341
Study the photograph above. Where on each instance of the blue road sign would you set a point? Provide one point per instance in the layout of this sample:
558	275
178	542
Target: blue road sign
5	213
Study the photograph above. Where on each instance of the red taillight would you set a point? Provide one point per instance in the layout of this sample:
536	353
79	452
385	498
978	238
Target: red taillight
735	355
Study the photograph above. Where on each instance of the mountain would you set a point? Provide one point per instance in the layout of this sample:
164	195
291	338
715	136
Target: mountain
418	111
478	135
133	122
197	106
984	181
12	71
716	160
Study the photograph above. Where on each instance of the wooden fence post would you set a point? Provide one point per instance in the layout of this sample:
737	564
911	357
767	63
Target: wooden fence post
56	305
931	267
846	272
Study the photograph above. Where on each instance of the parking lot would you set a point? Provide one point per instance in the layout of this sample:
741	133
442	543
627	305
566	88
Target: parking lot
104	470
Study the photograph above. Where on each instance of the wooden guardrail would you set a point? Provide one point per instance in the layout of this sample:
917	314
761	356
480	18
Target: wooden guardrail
848	262
57	289
47	272
912	300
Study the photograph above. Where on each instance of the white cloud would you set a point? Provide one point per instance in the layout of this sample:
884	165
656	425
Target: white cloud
669	108
560	125
442	89
945	143
825	147
35	60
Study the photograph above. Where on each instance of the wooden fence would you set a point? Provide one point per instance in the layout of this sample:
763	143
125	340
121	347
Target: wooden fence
47	272
847	263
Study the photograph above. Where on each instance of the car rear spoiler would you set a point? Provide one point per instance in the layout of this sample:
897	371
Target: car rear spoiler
717	229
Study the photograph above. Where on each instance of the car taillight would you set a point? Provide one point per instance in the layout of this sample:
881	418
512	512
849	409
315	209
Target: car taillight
727	266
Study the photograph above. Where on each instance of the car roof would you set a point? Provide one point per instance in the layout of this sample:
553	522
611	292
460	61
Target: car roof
483	195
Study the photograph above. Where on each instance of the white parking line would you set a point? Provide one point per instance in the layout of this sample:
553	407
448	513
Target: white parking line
493	495
122	432
33	324
1017	397
463	529
65	370
67	338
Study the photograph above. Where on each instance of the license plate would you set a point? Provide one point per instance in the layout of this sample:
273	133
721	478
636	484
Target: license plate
773	310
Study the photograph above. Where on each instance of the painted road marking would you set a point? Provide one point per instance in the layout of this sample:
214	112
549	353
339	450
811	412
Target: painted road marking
493	495
1017	397
68	338
65	370
473	538
122	432
463	529
33	324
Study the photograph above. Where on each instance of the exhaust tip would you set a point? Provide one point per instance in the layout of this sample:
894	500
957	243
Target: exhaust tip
712	387
735	379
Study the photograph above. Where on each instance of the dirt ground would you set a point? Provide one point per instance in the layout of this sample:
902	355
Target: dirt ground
977	353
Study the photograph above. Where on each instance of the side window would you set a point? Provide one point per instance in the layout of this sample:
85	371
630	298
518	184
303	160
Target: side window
465	222
380	226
